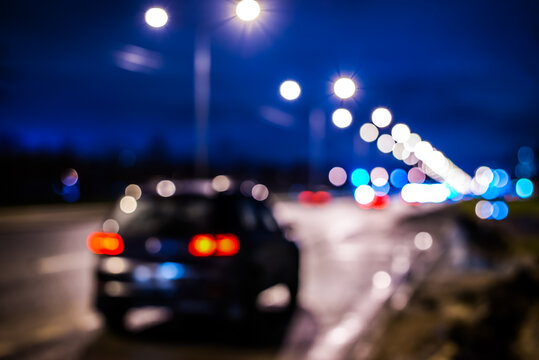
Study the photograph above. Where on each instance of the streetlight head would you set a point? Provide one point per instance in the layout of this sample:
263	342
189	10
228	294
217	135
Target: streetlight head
290	90
248	10
344	88
381	117
342	118
156	17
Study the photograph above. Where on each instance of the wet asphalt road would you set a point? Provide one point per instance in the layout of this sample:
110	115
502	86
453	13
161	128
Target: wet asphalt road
47	286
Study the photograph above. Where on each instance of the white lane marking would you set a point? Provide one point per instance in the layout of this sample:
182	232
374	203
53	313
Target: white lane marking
64	262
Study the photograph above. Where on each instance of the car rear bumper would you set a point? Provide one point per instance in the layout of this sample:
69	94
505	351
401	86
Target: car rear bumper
124	283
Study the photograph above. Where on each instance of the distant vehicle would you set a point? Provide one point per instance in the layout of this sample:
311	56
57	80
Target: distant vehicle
197	251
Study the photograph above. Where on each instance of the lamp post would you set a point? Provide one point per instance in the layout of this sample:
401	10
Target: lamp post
246	11
344	88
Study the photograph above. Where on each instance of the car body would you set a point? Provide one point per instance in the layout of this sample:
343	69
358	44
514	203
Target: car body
197	251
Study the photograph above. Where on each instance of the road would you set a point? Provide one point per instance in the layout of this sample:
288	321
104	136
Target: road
47	285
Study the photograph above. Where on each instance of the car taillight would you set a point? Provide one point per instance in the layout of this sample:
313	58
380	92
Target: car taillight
202	245
227	245
219	245
105	243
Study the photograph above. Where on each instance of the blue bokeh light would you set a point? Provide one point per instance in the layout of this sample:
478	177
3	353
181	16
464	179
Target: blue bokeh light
398	178
502	177
524	188
500	210
360	177
171	271
381	190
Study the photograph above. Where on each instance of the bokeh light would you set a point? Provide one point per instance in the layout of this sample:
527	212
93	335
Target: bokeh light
165	188
398	178
412	141
382	189
337	176
156	17
290	90
381	117
368	132
416	176
381	280
524	188
400	152
500	210
134	191
423	241
70	177
342	118
221	183
411	159
128	204
422	150
360	177
364	194
247	10
400	133
526	155
484	175
111	226
385	143
344	88
483	209
379	176
425	193
260	192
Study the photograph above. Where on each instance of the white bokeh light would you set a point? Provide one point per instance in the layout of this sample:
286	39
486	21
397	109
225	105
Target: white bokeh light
364	194
423	149
111	226
221	183
400	133
156	17
290	90
260	192
381	280
368	132
381	117
337	176
344	88
342	118
423	241
247	10
134	191
379	176
128	204
165	188
385	143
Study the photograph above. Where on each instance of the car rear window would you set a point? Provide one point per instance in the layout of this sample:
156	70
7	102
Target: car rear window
180	215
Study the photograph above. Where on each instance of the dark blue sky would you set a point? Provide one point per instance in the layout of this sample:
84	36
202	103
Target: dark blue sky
463	74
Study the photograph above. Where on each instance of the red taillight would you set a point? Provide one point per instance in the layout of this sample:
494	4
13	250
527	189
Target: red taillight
220	245
227	245
202	245
105	243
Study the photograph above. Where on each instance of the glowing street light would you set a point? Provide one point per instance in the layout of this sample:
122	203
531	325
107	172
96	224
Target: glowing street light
342	118
381	117
290	90
247	10
344	88
156	17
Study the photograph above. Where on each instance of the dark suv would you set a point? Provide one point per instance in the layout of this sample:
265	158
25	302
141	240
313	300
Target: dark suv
197	251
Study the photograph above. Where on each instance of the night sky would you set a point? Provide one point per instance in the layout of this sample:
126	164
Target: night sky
462	74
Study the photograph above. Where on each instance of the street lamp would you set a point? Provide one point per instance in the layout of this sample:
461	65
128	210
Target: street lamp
246	10
156	17
290	90
344	88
